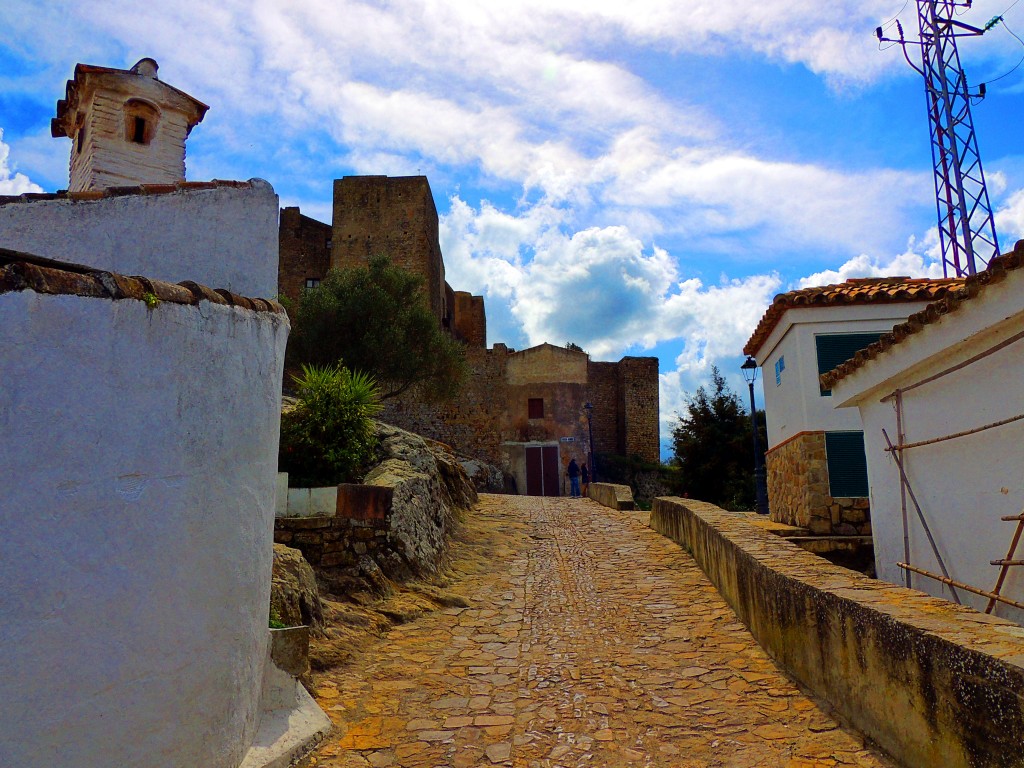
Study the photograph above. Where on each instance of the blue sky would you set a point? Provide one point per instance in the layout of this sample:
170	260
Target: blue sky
638	178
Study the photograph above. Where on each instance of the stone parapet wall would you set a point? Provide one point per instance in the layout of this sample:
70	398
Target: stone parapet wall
933	683
798	490
611	495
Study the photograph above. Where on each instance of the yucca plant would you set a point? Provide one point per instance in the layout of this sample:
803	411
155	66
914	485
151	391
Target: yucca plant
329	437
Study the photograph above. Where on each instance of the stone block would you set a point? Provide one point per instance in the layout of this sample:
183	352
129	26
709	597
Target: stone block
302	523
312	502
335	559
854	515
281	496
363	502
819	527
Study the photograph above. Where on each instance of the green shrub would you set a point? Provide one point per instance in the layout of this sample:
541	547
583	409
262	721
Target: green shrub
329	437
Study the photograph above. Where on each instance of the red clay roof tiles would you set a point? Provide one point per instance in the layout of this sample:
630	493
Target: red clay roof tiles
953	300
863	290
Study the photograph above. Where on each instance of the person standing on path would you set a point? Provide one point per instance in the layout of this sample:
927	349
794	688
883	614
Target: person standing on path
584	477
573	471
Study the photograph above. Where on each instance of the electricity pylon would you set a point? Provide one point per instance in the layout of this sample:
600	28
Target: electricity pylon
967	231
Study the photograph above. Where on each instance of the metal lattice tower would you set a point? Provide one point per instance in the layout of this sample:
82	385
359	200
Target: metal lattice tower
966	226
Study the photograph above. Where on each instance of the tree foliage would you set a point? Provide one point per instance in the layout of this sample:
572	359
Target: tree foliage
376	319
329	437
713	446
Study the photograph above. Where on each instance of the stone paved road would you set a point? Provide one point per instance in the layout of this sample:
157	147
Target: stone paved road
592	642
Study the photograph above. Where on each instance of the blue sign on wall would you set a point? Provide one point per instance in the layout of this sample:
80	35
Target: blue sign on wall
780	366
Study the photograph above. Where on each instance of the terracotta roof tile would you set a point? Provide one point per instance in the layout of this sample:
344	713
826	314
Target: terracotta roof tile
24	271
141	189
970	288
860	290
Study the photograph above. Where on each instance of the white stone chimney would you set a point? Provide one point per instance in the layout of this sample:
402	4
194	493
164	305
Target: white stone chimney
126	127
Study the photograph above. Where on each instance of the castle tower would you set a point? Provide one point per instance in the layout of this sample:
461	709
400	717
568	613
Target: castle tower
126	127
395	217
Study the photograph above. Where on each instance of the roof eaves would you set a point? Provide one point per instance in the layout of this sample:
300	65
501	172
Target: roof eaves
951	302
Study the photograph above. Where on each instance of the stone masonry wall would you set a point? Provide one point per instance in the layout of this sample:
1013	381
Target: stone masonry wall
798	491
603	393
305	252
639	408
395	217
469	320
359	528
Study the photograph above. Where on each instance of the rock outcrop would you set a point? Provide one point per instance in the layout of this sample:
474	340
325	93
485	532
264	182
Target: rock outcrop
294	597
486	478
429	486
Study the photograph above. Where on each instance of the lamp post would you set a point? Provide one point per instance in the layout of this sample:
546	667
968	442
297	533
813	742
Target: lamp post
749	369
589	408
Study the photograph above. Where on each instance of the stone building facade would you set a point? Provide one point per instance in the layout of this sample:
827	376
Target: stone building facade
514	404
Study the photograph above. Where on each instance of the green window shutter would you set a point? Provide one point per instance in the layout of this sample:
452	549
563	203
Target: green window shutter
847	464
836	349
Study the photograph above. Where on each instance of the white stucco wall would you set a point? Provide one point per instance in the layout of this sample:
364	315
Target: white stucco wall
224	238
795	404
963	485
139	455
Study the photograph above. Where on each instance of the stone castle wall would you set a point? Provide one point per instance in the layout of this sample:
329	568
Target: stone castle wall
305	252
469	320
798	490
396	217
638	408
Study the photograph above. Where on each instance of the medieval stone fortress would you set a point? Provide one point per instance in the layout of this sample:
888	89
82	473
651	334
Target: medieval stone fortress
516	403
414	621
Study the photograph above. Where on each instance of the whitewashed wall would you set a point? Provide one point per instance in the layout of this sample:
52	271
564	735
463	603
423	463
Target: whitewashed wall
139	452
964	485
795	404
224	238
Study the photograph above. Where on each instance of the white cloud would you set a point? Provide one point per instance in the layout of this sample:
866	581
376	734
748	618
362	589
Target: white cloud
920	259
1010	220
12	183
599	287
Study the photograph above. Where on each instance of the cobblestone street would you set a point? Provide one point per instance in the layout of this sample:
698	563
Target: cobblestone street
590	640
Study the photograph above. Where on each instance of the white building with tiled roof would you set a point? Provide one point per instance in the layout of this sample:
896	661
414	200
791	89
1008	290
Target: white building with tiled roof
817	478
942	394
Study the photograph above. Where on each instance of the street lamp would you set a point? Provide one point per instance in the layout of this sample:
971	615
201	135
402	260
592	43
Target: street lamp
749	369
589	408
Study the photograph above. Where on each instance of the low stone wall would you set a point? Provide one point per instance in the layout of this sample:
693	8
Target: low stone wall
612	495
798	490
931	682
397	523
358	527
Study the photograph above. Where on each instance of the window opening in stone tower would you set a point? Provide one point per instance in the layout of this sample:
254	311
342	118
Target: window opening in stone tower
139	131
535	406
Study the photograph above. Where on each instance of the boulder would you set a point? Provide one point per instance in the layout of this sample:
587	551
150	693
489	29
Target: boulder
294	596
486	478
429	487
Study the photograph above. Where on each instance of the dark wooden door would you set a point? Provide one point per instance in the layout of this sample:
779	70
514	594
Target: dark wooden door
542	471
534	472
551	473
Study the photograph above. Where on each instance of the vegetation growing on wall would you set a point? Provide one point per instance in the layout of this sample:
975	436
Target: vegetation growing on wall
713	445
376	318
329	437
